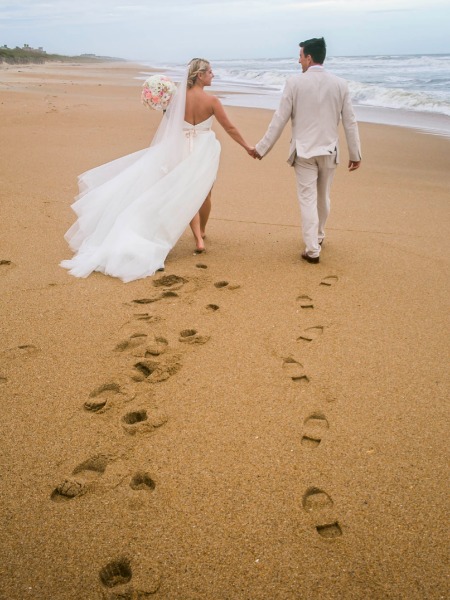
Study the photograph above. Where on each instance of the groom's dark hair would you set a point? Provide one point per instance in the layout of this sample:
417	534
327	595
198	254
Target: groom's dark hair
316	48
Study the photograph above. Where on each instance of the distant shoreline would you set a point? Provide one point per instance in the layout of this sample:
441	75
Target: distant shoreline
21	56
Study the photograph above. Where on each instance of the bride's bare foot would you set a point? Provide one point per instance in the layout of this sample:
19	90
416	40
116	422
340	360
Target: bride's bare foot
199	246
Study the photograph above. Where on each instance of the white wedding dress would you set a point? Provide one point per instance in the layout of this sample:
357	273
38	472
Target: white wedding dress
132	211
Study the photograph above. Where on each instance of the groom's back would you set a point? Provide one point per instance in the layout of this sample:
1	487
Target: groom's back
317	101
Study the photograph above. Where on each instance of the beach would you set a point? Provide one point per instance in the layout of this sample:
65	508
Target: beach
244	425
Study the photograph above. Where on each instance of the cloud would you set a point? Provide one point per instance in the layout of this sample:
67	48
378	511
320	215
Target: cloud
173	29
83	11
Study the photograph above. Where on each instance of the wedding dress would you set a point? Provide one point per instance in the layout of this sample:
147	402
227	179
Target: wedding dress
132	211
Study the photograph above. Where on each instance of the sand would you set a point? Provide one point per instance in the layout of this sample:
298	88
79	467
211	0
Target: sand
283	435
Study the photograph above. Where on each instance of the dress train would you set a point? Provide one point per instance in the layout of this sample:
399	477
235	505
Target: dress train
132	211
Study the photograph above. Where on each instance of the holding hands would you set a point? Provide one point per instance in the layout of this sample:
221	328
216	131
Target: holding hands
253	153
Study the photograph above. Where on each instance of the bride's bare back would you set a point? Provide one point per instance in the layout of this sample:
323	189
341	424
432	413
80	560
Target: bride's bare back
200	105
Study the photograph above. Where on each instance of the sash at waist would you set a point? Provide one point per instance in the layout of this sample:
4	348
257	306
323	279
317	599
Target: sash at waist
191	134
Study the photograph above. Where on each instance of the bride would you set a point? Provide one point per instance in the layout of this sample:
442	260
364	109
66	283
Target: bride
132	211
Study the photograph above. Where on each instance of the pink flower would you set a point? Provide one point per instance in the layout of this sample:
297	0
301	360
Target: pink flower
158	91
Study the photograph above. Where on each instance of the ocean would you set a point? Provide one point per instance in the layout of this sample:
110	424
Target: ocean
404	90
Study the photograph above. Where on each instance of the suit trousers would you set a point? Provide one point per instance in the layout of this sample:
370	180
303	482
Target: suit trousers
314	177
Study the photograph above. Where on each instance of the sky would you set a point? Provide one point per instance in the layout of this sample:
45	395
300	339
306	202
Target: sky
177	30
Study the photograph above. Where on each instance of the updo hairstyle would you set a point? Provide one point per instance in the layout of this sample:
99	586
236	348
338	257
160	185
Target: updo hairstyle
196	66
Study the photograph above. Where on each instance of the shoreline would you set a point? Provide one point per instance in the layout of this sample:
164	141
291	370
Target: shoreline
241	97
291	435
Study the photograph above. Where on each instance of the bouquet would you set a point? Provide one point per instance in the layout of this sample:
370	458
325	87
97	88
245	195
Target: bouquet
158	92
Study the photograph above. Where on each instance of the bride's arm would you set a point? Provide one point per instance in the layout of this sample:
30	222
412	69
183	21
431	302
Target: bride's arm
233	132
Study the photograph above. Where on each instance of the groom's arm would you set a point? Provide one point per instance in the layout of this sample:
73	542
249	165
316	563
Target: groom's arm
351	128
278	122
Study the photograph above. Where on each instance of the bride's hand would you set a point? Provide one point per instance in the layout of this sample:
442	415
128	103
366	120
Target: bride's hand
253	153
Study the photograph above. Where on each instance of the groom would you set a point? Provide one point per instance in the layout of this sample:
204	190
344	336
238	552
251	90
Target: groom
315	101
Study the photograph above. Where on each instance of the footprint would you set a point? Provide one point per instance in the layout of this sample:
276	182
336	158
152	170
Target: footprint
140	421
294	370
115	578
330	530
106	395
170	281
311	333
145	317
147	300
117	572
3	379
329	280
93	467
201	266
226	284
158	347
144	369
316	501
5	266
166	294
305	302
212	307
135	417
142	481
314	428
135	340
191	336
21	351
221	284
131	420
68	490
89	470
155	371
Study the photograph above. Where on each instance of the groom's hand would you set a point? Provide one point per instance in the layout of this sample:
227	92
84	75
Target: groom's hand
353	165
252	152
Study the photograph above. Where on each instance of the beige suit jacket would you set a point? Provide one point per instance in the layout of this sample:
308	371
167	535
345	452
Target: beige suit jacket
315	101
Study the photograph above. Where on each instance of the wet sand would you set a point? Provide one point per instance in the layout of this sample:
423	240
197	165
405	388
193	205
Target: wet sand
244	425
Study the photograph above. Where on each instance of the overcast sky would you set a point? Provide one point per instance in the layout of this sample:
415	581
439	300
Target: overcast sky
177	30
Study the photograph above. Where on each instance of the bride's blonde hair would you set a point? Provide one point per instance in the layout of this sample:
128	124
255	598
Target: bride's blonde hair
196	66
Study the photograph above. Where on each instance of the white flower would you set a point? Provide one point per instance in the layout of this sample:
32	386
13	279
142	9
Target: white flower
161	90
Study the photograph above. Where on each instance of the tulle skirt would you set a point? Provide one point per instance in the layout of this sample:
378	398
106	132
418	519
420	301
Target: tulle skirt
132	211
